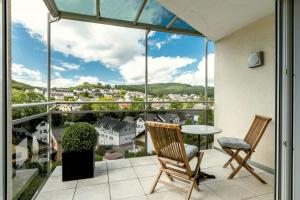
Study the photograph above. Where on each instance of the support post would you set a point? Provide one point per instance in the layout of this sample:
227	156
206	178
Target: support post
206	86
146	90
49	86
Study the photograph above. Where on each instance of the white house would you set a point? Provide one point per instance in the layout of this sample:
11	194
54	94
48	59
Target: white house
114	132
169	118
57	95
42	130
140	127
140	122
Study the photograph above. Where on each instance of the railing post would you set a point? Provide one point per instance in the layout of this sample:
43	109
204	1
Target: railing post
146	90
206	85
49	87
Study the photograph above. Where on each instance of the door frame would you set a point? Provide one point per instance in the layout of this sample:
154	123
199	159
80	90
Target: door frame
296	127
284	99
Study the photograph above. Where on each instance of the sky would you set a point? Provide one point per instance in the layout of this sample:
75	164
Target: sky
86	52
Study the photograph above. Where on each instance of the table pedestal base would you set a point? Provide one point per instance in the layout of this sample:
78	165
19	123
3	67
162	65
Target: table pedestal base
203	176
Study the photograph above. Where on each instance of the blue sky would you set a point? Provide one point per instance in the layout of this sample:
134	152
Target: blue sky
83	52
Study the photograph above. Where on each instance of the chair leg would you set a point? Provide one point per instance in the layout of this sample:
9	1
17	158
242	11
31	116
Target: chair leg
169	176
239	160
227	163
250	167
163	166
230	160
242	163
196	186
197	169
155	182
234	172
188	195
251	170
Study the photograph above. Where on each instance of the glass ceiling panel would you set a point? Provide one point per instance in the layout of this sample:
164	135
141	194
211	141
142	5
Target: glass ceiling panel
179	24
155	14
85	7
120	9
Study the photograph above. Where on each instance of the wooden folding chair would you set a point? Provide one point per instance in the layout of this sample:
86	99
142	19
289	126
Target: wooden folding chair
233	146
174	156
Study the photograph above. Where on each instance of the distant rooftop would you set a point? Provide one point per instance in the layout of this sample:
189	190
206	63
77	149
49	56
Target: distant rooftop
141	14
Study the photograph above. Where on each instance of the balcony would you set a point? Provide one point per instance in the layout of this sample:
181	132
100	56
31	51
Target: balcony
227	95
132	178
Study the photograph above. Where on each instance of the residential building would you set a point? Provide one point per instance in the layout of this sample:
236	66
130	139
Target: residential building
169	118
114	132
57	96
140	128
41	132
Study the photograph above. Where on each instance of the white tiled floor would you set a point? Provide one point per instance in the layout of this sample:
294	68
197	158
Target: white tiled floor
131	179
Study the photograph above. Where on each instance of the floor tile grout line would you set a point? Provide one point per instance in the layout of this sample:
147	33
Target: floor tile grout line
211	190
140	182
109	191
258	196
75	189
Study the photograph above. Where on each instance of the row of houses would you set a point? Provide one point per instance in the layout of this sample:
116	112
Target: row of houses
129	131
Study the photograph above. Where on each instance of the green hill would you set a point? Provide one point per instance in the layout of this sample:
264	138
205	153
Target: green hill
160	89
21	86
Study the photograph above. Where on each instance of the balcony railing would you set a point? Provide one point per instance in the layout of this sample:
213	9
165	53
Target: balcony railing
36	137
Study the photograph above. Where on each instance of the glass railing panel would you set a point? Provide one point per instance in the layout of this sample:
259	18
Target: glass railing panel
30	157
186	117
18	113
120	134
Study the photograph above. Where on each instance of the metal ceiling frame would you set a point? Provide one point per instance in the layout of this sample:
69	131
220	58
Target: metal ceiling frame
50	4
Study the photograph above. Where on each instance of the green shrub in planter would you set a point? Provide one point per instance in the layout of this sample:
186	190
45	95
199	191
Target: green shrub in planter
78	141
80	137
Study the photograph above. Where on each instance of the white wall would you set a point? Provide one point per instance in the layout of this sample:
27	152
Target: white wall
242	92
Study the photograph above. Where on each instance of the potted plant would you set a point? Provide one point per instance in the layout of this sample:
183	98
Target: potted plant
78	143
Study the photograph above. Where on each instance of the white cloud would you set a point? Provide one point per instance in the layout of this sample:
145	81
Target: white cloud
198	77
57	74
58	68
90	42
65	67
160	69
160	44
70	66
27	75
175	36
65	82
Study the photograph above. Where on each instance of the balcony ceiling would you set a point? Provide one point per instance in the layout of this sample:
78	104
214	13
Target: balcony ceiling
142	14
218	18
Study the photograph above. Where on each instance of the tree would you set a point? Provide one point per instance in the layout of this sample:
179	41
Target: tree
176	106
105	106
136	106
19	97
122	93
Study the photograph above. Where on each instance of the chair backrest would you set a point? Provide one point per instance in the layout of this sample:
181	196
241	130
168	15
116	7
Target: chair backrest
257	130
167	141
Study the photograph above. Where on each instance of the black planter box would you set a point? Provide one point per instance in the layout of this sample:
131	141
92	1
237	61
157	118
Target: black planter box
77	165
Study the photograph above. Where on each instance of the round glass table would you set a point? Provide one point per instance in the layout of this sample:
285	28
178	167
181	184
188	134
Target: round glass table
201	130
